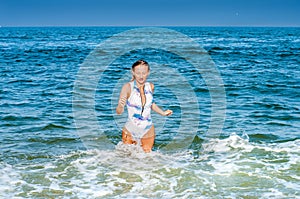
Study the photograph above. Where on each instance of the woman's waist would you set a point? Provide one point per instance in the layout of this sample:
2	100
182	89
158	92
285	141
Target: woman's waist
139	117
138	123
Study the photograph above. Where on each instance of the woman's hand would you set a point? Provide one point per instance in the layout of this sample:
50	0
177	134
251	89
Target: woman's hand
160	111
168	112
122	101
121	105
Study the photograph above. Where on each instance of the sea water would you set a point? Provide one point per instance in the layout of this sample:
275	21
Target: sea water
257	154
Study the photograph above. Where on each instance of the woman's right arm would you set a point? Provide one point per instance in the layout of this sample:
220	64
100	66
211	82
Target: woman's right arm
123	98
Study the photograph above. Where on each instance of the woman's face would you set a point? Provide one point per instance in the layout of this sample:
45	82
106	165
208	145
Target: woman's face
141	73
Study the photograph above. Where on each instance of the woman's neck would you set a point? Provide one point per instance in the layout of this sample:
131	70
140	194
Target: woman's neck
139	85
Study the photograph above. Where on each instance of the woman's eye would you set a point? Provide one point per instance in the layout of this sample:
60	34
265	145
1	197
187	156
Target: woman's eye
141	74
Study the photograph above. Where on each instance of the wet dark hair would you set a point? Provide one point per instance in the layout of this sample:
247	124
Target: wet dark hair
140	62
137	63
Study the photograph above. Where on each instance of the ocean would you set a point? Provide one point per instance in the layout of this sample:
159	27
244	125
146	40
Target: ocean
234	136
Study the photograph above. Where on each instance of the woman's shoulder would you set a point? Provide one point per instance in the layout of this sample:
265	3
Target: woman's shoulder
151	86
127	86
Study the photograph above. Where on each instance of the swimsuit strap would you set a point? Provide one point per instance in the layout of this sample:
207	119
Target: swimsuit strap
131	86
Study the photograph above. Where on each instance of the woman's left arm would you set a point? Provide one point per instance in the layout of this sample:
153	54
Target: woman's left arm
158	110
161	112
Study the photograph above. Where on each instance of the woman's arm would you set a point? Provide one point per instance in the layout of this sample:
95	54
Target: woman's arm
157	109
123	98
161	112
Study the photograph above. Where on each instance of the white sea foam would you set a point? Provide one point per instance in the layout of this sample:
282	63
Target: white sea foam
10	181
234	167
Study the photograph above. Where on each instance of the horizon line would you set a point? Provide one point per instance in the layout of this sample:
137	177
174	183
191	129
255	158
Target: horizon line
216	26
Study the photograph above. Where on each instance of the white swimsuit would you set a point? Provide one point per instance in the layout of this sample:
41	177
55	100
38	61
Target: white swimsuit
139	118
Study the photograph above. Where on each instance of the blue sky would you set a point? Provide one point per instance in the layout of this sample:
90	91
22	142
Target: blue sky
149	13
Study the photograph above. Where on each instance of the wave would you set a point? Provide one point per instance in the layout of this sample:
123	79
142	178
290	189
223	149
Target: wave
232	167
54	140
52	126
19	118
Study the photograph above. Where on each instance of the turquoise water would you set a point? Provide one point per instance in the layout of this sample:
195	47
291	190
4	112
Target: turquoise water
255	156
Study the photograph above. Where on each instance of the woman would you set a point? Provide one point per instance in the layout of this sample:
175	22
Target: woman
137	95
